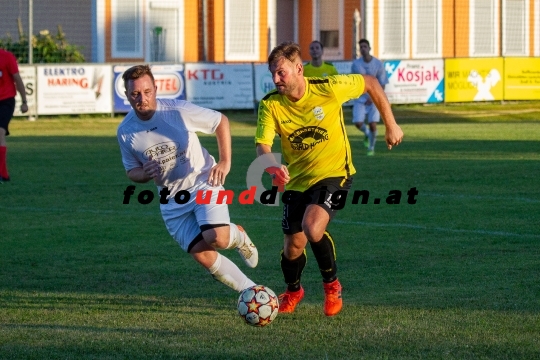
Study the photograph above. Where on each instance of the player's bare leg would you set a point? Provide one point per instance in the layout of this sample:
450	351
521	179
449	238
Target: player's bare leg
233	237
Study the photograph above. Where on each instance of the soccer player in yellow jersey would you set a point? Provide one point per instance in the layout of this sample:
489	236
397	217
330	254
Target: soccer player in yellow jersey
307	115
317	67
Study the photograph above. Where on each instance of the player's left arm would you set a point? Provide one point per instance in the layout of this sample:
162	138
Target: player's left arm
223	166
394	134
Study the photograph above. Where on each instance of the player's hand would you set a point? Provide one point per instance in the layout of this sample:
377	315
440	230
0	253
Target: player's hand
151	168
24	108
280	176
393	136
218	173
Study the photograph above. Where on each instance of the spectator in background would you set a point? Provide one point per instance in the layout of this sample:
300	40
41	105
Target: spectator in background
368	65
10	83
317	67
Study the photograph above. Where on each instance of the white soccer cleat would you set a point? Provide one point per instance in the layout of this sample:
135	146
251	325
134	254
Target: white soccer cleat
248	250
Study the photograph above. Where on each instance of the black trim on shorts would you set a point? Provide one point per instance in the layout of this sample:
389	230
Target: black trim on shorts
195	242
211	226
200	236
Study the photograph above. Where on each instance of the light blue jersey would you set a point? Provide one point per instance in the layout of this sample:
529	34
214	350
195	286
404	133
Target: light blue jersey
374	68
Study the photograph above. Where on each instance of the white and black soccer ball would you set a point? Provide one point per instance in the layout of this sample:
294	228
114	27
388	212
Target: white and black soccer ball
258	305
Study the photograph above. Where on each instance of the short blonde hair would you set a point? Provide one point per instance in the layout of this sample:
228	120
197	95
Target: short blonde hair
289	50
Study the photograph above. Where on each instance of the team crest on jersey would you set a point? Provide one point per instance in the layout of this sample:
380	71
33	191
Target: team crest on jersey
307	137
318	113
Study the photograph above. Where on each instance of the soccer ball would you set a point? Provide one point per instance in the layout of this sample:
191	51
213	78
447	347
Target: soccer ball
258	305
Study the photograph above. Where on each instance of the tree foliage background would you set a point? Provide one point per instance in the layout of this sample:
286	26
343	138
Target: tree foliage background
46	47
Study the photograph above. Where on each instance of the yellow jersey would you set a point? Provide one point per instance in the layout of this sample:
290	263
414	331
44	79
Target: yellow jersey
326	69
314	143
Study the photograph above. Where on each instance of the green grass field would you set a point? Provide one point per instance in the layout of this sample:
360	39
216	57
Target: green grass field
454	276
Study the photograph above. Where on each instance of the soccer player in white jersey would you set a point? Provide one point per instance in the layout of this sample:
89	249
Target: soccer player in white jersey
368	65
158	142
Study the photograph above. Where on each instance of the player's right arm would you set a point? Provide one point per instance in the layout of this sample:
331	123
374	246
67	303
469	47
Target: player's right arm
148	171
394	134
264	138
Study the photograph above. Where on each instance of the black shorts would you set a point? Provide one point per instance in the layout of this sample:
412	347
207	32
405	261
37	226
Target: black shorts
330	194
7	107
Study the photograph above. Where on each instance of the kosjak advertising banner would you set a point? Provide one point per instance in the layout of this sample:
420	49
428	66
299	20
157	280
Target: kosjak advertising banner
74	89
479	79
220	86
28	76
169	80
414	81
522	79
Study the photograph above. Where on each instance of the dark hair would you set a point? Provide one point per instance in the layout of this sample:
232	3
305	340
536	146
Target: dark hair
288	50
136	72
318	42
364	41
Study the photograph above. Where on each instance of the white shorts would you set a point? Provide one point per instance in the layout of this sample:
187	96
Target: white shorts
360	110
184	221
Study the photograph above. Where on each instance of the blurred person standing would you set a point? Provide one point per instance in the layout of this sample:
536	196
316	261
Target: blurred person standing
363	106
10	83
317	67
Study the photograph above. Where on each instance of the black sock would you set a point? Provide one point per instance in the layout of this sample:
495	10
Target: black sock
292	270
325	253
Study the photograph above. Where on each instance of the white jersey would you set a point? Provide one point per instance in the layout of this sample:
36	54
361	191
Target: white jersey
374	68
169	138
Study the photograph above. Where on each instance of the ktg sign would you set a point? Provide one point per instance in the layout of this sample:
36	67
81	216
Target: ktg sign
169	80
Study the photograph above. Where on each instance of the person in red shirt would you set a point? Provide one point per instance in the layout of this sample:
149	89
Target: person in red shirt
10	83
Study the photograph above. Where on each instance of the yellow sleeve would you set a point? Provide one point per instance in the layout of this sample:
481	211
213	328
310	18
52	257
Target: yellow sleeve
266	126
347	87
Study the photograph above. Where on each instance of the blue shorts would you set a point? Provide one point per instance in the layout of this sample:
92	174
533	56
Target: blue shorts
360	110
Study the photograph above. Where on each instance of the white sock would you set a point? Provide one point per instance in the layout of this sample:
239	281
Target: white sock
236	238
372	139
226	272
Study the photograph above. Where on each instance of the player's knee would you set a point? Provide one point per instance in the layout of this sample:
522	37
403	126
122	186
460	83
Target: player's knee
313	232
217	237
294	245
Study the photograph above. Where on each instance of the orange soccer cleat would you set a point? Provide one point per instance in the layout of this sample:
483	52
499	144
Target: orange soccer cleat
332	298
289	299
